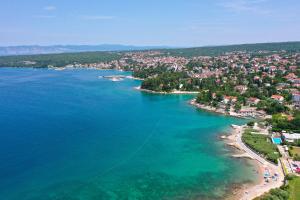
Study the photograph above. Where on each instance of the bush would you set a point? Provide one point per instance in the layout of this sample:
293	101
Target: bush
250	123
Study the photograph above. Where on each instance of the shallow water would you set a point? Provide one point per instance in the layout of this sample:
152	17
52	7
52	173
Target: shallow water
70	135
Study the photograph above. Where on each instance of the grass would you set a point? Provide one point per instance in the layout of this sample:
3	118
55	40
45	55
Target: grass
295	152
261	144
294	188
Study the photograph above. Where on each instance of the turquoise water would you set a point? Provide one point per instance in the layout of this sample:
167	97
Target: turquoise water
70	135
277	140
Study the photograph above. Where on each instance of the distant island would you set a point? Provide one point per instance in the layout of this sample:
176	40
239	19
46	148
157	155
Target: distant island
259	82
38	49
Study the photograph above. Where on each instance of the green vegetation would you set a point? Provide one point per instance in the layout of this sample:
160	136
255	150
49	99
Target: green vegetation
148	72
281	122
218	50
251	123
261	144
275	194
295	153
57	60
294	188
271	106
167	82
291	191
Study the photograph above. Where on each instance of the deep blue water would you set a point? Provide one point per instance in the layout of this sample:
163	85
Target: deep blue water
70	135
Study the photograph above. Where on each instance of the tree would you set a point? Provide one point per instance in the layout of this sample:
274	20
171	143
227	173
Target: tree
237	107
251	123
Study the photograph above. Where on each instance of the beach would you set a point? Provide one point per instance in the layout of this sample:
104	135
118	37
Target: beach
251	191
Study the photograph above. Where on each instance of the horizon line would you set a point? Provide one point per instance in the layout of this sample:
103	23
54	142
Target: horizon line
160	46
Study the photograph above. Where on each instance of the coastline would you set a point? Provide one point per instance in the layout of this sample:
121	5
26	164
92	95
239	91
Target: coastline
215	110
173	92
243	191
246	191
250	191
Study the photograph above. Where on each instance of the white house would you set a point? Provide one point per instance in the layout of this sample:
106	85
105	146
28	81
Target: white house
291	137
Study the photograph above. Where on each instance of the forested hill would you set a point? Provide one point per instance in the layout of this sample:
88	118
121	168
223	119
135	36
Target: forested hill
219	50
59	60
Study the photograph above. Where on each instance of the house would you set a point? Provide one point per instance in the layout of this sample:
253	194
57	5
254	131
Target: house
296	81
278	98
293	68
256	78
241	88
272	68
253	101
227	99
291	137
248	112
290	76
296	99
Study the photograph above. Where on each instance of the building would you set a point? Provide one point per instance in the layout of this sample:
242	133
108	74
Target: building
296	99
241	88
253	101
296	81
227	99
248	112
291	137
278	98
290	76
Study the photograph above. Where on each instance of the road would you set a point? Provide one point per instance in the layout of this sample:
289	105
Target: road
259	189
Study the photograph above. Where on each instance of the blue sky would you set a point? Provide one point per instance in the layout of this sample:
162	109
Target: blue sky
148	22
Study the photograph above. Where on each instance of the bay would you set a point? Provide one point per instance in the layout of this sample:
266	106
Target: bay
72	135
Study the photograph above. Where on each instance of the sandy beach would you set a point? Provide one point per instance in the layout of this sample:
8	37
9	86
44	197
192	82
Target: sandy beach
251	191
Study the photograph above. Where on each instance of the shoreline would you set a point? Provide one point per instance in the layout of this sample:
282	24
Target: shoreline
249	191
246	191
173	92
214	110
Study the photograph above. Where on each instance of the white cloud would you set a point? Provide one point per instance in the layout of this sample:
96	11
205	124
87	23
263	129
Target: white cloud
49	8
97	17
245	6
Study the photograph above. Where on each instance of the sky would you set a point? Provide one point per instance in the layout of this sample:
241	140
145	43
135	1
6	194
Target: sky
177	23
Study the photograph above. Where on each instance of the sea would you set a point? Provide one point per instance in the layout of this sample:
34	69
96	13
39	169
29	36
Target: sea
72	135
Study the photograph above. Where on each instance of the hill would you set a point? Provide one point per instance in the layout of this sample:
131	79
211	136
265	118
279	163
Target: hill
62	59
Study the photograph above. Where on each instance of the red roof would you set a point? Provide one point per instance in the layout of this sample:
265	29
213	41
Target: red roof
277	97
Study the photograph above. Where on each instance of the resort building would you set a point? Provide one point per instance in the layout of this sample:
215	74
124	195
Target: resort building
291	137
